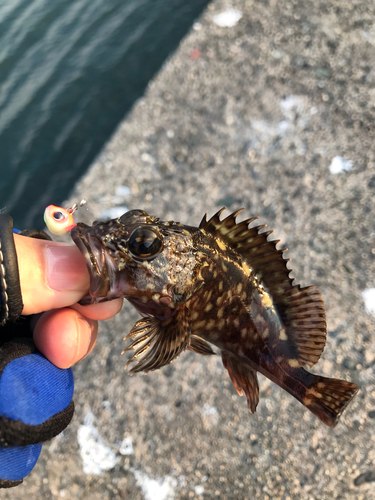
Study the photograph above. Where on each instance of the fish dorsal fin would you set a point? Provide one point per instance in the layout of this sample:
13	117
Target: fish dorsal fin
157	342
244	379
300	309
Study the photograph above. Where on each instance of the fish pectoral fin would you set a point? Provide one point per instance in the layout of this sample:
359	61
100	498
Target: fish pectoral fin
300	309
304	336
157	342
200	346
244	379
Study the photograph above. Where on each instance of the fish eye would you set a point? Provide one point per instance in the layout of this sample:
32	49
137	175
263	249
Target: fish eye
58	216
144	243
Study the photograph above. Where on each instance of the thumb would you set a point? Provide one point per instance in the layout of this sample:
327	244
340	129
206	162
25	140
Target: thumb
52	275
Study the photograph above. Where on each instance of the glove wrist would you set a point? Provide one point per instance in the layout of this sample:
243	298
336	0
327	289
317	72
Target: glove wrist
10	291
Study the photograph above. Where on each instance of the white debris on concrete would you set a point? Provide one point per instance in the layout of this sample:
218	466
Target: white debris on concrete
209	410
228	18
106	405
147	158
294	108
113	213
369	300
292	102
296	111
182	481
210	416
199	490
339	164
120	197
155	489
95	455
123	191
126	447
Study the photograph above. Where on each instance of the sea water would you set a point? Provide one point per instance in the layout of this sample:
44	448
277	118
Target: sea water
69	72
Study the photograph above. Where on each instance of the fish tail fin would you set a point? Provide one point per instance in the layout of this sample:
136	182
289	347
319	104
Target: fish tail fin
327	398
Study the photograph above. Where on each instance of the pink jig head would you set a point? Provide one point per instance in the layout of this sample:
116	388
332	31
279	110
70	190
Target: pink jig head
60	220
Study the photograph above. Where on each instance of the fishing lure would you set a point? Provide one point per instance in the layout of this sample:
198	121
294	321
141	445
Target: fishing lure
60	221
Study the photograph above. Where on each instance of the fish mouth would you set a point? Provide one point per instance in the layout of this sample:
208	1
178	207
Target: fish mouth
97	262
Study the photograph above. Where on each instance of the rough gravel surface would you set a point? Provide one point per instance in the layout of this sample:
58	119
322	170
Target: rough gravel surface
259	114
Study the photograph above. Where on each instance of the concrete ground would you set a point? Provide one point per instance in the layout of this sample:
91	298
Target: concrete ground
276	114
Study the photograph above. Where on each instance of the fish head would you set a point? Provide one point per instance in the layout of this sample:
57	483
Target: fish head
150	262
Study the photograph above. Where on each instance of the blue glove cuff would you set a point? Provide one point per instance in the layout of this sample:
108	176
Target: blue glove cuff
17	462
35	396
28	389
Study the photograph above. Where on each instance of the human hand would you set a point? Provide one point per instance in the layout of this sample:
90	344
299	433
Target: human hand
36	396
53	278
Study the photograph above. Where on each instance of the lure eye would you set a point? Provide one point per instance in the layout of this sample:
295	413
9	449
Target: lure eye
58	216
144	243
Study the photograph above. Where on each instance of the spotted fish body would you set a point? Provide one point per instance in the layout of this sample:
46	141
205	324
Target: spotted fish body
223	284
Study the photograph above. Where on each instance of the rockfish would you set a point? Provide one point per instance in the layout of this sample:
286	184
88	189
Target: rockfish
223	284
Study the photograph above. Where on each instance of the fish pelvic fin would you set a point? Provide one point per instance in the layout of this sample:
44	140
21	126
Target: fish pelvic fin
200	346
244	379
158	342
301	310
327	398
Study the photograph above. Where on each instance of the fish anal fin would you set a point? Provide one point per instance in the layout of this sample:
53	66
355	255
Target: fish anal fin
158	342
200	346
244	379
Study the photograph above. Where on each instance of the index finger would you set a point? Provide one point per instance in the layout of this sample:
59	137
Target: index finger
102	311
